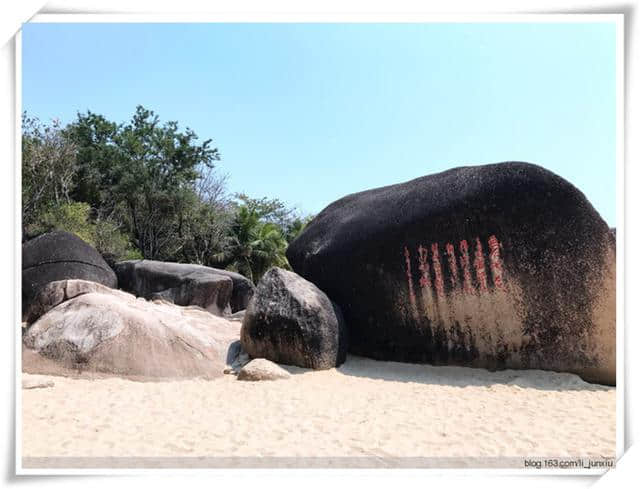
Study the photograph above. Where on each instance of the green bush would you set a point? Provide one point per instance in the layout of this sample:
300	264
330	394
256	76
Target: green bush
73	218
102	234
112	244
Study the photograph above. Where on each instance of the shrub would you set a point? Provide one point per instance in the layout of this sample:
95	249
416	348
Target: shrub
103	234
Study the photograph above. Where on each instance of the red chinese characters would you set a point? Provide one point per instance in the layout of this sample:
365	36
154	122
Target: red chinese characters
460	278
494	261
437	270
478	264
423	266
407	259
453	266
464	262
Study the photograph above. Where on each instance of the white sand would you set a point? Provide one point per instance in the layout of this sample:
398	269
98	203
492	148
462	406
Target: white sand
365	408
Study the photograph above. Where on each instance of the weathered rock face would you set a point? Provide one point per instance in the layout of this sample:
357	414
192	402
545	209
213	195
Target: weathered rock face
261	369
291	321
59	256
182	284
112	332
497	266
57	292
243	289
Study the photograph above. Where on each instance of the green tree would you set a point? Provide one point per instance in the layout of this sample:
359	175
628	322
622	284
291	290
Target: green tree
268	250
48	170
103	234
253	246
143	171
71	217
295	227
100	160
237	250
148	189
203	229
269	210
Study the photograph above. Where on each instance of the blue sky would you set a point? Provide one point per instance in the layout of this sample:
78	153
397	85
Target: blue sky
311	112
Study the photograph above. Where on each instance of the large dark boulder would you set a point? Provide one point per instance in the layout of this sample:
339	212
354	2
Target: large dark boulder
58	256
497	266
291	321
180	283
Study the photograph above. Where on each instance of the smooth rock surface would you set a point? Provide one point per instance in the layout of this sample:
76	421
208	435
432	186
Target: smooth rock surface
112	332
262	369
496	266
237	316
291	321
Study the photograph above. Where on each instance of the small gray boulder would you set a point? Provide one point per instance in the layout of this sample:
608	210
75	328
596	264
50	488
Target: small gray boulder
262	369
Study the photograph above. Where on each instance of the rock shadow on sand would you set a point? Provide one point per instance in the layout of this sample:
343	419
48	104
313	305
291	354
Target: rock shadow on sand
458	376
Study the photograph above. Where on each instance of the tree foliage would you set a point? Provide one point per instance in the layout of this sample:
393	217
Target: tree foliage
147	189
253	245
48	169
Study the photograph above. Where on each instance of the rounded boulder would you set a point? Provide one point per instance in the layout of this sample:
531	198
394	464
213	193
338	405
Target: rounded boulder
59	256
291	321
498	266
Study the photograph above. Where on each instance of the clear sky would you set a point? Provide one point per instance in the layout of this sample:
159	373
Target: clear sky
311	112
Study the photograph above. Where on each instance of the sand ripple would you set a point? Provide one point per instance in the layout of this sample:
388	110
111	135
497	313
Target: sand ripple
365	408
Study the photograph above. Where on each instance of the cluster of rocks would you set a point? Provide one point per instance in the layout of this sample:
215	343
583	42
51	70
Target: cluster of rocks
168	319
493	266
99	329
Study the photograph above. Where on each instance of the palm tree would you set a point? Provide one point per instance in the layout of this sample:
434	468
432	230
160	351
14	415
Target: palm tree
268	249
253	246
295	227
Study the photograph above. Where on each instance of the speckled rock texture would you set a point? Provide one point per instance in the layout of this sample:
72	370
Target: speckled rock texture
180	283
291	321
498	266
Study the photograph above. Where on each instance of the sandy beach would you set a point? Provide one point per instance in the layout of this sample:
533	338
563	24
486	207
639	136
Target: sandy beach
365	408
